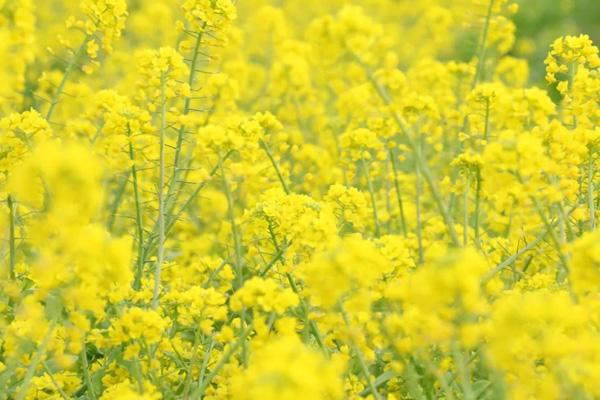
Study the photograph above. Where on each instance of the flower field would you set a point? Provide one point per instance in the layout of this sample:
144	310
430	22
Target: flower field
297	200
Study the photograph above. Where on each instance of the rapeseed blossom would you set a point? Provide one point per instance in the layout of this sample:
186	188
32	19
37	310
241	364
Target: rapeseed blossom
211	199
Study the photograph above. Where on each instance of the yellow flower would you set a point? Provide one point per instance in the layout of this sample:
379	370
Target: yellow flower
286	369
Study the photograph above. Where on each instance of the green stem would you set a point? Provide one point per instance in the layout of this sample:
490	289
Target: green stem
508	261
188	375
205	362
555	239
186	110
150	246
372	195
161	184
137	371
418	190
445	389
570	234
380	380
86	372
65	78
138	215
398	194
427	174
477	206
35	361
278	255
221	363
267	150
482	49
388	202
590	193
486	132
234	229
466	208
11	242
60	391
363	365
464	375
114	207
312	326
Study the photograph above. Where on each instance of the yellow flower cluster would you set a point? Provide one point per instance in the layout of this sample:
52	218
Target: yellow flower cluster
286	369
264	295
105	18
568	52
209	15
301	199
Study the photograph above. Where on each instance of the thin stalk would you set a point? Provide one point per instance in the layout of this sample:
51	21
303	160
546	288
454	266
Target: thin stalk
482	49
562	223
427	174
205	362
508	261
468	362
380	380
388	203
149	247
398	194
138	215
555	239
312	326
185	111
99	372
137	372
239	279
486	135
464	375
364	369
486	131
372	195
86	372
361	361
161	184
590	193
278	255
60	391
116	203
466	208
444	384
188	375
35	361
245	349
267	150
65	78
570	234
220	364
418	189
477	206
11	239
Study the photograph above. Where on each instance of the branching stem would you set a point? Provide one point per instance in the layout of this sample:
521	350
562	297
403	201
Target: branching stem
69	69
138	214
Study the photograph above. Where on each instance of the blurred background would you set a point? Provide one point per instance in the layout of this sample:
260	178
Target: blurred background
539	22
